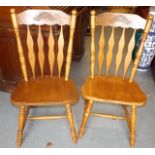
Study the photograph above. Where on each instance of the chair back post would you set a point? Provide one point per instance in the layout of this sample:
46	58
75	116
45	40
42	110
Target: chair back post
139	52
92	50
19	44
70	46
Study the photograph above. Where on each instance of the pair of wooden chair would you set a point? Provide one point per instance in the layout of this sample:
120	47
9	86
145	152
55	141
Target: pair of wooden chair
60	90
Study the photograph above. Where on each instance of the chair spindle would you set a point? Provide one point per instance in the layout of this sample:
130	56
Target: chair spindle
31	54
51	54
101	51
110	51
121	45
60	55
41	56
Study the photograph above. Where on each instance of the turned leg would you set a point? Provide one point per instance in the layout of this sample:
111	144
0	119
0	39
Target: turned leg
71	123
125	108
133	126
26	113
21	122
86	114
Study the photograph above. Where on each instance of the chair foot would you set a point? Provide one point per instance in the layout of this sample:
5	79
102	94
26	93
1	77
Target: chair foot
19	139
71	123
21	123
133	126
86	114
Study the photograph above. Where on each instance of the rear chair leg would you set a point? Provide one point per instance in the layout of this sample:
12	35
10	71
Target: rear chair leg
71	123
21	123
86	114
133	126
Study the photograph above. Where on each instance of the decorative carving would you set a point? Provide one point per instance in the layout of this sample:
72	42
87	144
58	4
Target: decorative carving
46	16
122	19
43	17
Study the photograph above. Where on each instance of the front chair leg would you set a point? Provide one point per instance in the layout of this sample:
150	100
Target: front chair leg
86	114
26	113
71	123
21	122
133	126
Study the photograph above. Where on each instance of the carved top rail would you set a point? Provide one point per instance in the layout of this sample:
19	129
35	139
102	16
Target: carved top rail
43	17
121	20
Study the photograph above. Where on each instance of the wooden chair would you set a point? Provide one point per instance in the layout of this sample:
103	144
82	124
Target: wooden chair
53	90
114	89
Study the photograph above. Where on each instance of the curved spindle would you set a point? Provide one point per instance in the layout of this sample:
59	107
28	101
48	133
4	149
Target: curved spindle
41	56
101	51
110	51
120	51
51	55
129	53
31	54
60	55
19	45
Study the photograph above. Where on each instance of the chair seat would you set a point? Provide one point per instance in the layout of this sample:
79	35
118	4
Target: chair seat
45	91
113	90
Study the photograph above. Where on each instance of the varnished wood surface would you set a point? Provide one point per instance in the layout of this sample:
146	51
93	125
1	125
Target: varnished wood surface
9	62
115	89
109	89
45	91
43	17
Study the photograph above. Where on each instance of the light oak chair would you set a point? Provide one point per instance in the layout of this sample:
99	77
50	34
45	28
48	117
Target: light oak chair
52	90
109	88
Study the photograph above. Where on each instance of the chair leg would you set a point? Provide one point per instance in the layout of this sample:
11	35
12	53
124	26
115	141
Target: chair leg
86	114
133	126
71	123
21	122
26	113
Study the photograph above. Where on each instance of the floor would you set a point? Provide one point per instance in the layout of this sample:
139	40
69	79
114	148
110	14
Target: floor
101	132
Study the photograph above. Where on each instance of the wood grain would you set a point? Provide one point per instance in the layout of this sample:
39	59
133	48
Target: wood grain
31	54
92	49
71	123
133	126
121	91
116	89
51	55
60	55
41	56
45	91
128	57
101	51
70	46
110	51
120	51
19	45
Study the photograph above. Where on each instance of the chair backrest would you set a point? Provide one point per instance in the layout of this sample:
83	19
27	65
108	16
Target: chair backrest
115	20
40	18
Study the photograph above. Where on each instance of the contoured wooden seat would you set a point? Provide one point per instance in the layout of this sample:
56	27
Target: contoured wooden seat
114	88
44	90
